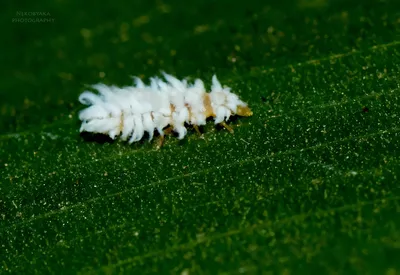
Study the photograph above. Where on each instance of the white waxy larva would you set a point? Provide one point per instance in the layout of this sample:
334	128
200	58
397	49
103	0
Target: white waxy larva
131	111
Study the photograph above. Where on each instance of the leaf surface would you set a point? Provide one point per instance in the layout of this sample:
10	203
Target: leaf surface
308	184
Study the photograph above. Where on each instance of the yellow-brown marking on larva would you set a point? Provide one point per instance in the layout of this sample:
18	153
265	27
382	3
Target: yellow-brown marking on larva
172	108
121	123
189	110
207	106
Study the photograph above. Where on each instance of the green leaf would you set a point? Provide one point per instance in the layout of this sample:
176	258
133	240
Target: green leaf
308	184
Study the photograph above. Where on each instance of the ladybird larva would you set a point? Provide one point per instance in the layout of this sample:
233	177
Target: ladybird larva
129	112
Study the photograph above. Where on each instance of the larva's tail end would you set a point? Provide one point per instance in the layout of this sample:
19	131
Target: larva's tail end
244	111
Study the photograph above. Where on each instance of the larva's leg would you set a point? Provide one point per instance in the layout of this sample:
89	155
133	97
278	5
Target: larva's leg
167	131
162	138
197	129
226	126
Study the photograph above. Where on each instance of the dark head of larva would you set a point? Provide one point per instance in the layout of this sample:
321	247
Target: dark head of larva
244	111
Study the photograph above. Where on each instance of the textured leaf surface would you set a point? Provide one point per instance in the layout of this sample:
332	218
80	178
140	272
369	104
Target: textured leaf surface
309	184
